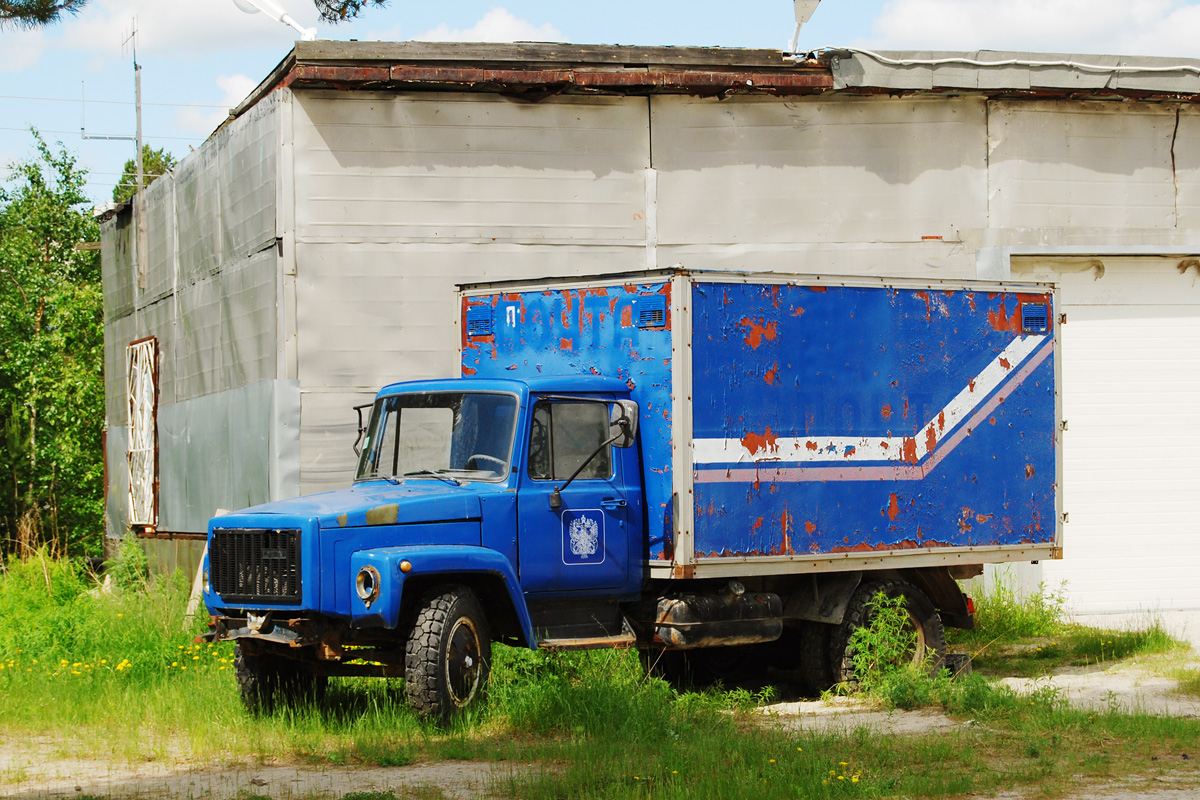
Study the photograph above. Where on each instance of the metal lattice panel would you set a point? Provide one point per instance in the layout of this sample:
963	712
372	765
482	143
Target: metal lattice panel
141	389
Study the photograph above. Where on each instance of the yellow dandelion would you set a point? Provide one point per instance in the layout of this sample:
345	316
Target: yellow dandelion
636	778
854	779
174	663
195	658
843	763
772	761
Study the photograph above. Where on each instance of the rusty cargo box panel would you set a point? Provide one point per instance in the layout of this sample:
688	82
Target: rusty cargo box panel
814	423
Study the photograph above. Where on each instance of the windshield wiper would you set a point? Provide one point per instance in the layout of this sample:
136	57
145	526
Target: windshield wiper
439	474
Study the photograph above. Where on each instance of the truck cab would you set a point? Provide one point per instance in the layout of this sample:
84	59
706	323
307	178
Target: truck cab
522	497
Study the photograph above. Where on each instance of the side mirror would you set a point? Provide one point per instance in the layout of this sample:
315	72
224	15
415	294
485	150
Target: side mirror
623	423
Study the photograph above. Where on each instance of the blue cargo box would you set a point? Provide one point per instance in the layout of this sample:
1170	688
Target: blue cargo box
801	423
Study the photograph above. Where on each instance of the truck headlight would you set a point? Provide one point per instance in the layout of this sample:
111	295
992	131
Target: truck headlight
367	585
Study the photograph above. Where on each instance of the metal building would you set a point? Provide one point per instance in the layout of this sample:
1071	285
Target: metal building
308	252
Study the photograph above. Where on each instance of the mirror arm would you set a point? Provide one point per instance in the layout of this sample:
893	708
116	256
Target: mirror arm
361	428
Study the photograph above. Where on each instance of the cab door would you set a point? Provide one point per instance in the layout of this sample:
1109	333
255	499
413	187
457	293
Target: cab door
583	544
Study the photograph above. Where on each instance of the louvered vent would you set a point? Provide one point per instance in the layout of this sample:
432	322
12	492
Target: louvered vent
252	566
479	321
1033	318
652	311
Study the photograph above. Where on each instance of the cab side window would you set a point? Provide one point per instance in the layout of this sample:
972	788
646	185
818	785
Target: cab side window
562	435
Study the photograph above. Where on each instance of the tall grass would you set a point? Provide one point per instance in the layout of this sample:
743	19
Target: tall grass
114	675
1004	614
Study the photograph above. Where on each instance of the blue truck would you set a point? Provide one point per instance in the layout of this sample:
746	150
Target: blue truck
718	469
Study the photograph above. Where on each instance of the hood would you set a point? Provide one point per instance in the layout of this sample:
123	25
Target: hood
372	503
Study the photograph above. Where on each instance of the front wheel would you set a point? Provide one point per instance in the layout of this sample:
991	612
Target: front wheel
266	681
448	655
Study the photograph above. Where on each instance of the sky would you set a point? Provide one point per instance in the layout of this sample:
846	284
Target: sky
201	57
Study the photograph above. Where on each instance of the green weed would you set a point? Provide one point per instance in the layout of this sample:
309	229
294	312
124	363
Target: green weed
1005	615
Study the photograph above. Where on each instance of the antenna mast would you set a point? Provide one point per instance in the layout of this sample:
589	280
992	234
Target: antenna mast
137	83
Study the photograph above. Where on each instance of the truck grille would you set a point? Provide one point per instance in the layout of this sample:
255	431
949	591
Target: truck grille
249	566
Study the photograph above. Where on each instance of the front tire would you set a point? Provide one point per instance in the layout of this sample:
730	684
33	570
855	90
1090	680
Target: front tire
266	681
448	656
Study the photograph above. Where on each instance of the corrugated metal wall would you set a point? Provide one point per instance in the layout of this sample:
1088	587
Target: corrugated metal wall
399	198
209	295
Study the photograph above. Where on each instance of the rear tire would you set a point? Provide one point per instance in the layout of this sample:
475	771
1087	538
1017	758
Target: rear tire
816	640
705	666
448	655
923	618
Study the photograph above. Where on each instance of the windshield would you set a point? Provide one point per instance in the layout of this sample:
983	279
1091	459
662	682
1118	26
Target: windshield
442	435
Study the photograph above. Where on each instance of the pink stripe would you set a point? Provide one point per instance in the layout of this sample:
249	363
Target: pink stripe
904	472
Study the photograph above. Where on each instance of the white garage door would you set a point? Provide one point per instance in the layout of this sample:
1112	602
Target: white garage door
1131	457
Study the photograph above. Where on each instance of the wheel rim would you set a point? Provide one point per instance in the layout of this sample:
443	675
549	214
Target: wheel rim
464	662
920	648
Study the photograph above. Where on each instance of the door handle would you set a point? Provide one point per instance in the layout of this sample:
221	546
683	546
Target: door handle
612	503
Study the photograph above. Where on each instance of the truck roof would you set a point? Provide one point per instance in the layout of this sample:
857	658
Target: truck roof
521	386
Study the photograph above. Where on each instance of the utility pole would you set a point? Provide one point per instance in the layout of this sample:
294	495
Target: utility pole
137	88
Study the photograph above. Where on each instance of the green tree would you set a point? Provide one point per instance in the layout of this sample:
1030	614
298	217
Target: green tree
51	359
154	163
32	13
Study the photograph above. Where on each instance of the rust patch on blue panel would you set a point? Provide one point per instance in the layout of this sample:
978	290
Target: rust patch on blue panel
593	331
383	515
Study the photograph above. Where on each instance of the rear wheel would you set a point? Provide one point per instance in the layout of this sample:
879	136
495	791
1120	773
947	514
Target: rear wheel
448	655
705	666
923	621
816	639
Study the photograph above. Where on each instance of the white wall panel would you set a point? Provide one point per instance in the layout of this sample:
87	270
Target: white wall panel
450	167
767	170
1067	164
1131	451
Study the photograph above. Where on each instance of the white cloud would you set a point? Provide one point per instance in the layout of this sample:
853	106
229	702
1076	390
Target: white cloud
497	25
201	122
1124	27
179	29
22	49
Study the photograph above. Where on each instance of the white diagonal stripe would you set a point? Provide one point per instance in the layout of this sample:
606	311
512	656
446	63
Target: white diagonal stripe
876	448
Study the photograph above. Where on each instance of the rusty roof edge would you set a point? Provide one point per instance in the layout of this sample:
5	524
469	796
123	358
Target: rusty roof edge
274	79
533	53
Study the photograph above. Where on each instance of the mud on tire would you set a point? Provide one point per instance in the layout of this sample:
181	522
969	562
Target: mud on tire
924	619
448	655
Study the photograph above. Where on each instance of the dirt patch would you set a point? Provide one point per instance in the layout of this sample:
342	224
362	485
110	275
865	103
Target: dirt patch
28	775
1127	688
844	714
